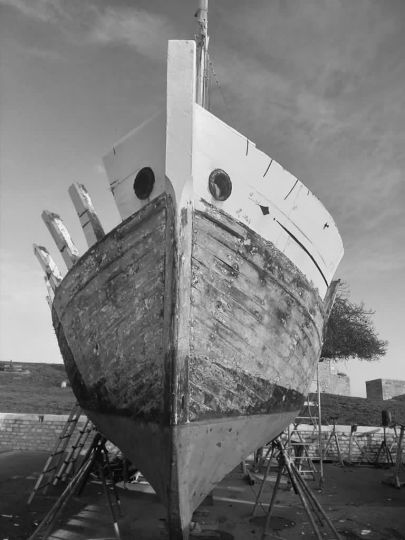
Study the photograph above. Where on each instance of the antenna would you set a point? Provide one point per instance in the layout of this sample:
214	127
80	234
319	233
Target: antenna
202	53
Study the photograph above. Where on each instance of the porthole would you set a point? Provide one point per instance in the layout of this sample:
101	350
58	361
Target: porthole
220	185
144	182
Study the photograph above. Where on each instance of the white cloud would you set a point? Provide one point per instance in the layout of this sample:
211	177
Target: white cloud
146	32
41	10
328	77
89	22
316	39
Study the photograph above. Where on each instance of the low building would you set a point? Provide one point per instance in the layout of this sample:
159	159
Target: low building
10	367
332	381
384	388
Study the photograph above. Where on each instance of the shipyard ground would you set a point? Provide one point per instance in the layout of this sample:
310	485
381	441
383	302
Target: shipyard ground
355	498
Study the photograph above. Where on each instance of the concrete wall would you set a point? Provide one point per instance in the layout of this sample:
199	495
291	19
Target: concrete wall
331	380
31	431
384	388
374	389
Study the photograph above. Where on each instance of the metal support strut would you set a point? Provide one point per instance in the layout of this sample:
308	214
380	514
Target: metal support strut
97	456
315	512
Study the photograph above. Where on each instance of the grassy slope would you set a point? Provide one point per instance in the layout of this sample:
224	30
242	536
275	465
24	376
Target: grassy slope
36	392
360	411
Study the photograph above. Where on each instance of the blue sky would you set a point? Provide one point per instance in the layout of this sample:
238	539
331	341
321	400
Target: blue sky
317	84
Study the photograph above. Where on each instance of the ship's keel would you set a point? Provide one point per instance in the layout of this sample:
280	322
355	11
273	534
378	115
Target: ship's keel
176	530
183	463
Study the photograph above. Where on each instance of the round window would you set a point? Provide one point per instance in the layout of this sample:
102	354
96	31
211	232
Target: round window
220	185
144	182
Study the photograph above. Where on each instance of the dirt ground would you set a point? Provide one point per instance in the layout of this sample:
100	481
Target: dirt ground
355	498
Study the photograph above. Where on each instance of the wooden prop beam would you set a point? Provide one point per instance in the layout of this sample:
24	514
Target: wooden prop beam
50	296
52	275
92	228
62	238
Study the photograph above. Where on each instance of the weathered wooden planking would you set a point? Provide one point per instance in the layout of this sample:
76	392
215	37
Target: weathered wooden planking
256	323
108	316
254	330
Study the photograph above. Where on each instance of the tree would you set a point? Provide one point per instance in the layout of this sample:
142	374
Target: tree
350	332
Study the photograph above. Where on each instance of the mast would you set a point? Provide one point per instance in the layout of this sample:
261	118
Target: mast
202	53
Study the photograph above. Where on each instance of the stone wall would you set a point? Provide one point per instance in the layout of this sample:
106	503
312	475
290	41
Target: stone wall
384	388
365	443
34	432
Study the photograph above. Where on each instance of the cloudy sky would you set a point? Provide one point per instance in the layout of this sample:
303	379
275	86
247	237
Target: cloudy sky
319	85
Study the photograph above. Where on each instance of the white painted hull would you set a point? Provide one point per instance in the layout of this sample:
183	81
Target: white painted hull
184	144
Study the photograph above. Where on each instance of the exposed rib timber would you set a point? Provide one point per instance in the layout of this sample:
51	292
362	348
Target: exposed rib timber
91	225
50	296
52	275
62	238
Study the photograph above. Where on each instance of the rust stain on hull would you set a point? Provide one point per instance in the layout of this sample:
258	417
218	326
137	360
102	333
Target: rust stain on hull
188	352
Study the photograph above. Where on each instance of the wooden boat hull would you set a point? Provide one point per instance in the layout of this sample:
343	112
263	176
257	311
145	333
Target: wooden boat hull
187	350
191	332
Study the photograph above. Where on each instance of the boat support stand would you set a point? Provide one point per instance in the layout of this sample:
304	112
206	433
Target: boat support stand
314	510
96	457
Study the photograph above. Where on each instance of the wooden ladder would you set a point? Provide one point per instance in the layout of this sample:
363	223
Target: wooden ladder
299	446
96	458
68	465
56	466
